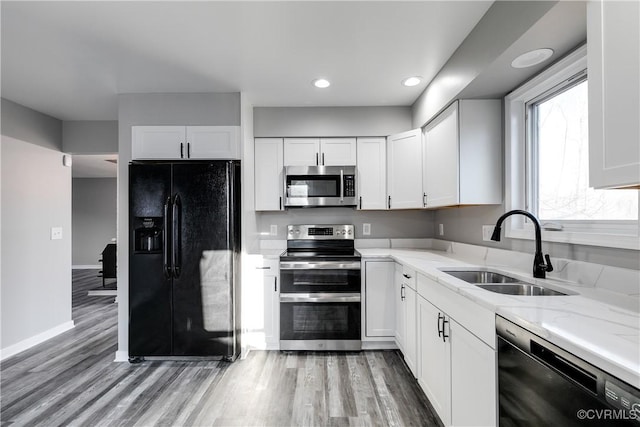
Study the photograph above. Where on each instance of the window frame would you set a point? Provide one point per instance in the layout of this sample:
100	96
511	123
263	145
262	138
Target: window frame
614	234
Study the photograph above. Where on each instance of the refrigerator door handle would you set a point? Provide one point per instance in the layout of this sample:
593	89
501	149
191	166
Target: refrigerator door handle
166	260
176	225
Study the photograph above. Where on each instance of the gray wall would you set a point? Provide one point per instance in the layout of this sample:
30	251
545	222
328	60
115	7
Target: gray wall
464	225
36	271
213	109
90	137
25	124
93	218
384	224
330	121
498	29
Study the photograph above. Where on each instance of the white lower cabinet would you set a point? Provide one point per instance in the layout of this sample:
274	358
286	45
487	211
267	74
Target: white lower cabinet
473	380
271	289
435	360
457	370
261	302
406	325
379	291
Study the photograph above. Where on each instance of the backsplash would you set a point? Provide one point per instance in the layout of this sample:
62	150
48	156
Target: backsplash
384	224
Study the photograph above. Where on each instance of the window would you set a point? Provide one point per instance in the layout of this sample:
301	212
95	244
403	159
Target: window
547	160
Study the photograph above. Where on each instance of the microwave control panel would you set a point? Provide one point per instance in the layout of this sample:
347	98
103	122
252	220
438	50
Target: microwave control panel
349	186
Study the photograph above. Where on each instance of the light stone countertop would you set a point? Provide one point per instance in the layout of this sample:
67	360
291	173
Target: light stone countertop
595	323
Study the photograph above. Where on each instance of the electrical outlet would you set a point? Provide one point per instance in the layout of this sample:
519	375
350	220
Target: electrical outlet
274	230
487	231
440	229
56	233
366	229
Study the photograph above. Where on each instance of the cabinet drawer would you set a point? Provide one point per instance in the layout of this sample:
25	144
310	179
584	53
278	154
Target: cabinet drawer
409	277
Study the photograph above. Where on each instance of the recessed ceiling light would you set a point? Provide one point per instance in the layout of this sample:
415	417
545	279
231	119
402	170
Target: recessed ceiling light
412	81
321	83
529	59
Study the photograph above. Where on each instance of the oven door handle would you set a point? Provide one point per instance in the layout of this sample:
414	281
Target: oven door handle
320	265
320	297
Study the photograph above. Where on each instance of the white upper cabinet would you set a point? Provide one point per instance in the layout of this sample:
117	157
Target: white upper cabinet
613	58
372	173
338	151
404	170
213	142
268	174
319	151
462	155
301	151
157	142
185	142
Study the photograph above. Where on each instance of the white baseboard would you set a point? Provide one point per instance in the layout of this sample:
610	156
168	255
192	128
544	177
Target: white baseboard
121	356
86	267
35	340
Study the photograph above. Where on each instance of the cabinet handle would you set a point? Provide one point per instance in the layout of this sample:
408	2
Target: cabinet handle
275	283
317	159
444	334
188	150
440	330
360	202
424	200
181	150
263	268
406	275
322	159
280	202
402	292
389	203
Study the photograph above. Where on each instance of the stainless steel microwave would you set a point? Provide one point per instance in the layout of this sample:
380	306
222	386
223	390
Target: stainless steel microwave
316	186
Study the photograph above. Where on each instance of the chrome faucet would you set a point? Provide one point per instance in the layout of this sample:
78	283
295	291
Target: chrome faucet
539	266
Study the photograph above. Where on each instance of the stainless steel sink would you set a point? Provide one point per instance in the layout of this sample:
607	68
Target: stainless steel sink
480	276
525	289
500	283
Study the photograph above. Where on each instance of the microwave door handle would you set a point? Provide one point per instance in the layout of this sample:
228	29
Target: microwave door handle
341	185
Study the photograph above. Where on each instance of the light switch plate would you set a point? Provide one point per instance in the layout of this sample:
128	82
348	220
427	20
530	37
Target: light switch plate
366	229
487	231
273	230
56	233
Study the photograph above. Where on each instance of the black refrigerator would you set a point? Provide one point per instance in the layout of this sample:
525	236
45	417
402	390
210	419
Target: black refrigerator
184	251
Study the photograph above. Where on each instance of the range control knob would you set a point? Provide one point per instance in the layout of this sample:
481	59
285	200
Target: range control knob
349	232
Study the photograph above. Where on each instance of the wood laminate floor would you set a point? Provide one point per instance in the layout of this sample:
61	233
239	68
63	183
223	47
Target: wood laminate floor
72	380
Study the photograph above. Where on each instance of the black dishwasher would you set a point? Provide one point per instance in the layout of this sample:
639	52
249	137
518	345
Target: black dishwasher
540	384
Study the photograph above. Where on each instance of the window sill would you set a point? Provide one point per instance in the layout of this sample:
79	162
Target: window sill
617	241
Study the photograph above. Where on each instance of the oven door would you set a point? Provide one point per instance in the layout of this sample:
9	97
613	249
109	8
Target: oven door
319	276
320	321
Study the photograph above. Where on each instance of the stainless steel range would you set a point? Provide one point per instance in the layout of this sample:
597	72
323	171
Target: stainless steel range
320	289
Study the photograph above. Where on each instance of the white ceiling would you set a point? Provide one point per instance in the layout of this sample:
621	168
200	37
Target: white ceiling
71	59
94	166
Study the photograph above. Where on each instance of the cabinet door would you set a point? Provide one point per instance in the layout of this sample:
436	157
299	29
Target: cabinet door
473	380
411	329
398	299
404	179
158	142
301	151
268	174
379	292
271	284
372	173
613	30
440	174
213	142
434	370
338	151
